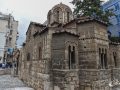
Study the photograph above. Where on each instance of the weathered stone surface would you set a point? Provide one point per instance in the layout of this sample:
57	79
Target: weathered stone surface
74	55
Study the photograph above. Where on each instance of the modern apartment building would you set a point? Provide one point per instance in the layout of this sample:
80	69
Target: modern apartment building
115	20
8	36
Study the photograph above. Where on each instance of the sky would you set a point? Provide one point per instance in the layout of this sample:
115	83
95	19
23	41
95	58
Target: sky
25	11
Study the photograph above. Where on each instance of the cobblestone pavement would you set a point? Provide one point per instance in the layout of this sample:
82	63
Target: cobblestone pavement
116	88
8	82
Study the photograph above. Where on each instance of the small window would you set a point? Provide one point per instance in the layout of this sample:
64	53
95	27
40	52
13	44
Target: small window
28	57
71	57
11	31
105	60
115	59
10	38
40	53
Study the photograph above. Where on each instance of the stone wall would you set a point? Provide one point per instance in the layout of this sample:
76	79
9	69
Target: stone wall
35	71
53	70
116	74
66	79
92	37
5	71
94	79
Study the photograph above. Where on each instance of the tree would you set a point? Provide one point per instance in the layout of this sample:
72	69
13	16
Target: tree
91	8
115	39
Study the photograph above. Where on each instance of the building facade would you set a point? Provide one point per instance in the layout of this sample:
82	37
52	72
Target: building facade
115	20
69	53
8	36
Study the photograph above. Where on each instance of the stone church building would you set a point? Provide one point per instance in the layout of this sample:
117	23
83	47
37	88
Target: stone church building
67	53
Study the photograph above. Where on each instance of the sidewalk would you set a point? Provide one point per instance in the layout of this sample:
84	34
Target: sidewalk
19	88
8	82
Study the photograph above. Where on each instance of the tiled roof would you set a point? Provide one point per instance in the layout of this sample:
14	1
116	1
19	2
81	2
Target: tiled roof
36	24
86	19
64	31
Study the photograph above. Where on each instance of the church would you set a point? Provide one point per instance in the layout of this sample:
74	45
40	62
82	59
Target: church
68	53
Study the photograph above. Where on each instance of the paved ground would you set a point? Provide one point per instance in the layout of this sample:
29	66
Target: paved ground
8	82
116	88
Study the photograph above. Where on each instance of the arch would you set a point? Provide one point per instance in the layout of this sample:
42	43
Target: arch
115	58
71	57
57	13
68	16
103	58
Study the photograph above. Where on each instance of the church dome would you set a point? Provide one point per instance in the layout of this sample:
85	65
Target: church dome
60	13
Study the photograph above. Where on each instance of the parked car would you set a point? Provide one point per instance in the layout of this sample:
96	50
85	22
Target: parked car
0	65
3	65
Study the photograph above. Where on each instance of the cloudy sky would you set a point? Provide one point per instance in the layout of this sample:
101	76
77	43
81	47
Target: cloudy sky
25	11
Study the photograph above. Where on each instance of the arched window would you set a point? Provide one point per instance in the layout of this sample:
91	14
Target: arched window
71	57
40	53
68	16
115	59
99	57
103	58
58	16
28	56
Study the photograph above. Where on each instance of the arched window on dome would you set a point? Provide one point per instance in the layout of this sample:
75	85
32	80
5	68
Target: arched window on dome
49	18
58	16
68	16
